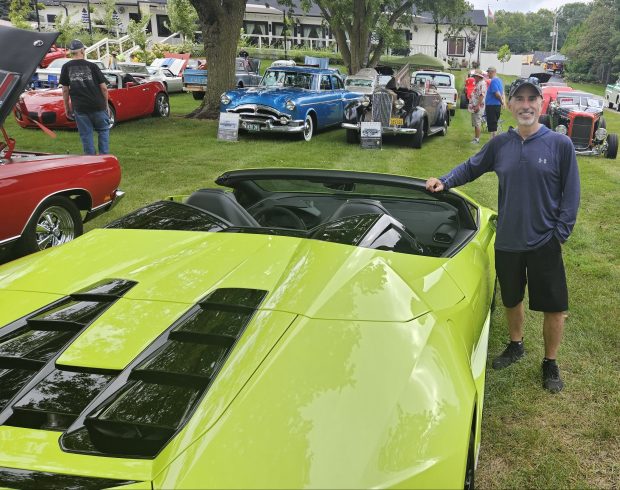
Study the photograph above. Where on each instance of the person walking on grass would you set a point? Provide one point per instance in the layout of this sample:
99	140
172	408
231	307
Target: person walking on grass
476	104
538	199
494	101
85	95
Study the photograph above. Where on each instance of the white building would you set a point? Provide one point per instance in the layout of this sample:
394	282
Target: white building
264	22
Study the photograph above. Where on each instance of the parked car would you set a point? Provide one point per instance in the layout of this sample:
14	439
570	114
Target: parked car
53	54
247	74
468	88
580	116
612	95
444	82
128	99
290	99
311	328
415	112
48	77
143	73
44	195
363	82
550	94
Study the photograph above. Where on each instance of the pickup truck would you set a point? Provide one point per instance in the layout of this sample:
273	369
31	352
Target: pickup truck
246	72
612	95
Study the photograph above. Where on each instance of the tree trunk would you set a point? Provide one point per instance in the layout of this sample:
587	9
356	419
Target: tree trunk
220	22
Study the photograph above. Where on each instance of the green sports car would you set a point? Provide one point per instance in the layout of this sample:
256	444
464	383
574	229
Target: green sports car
300	328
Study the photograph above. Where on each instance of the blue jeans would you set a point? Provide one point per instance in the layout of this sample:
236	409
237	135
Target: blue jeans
98	121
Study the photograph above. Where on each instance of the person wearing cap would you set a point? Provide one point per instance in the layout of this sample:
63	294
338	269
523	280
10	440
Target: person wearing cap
494	100
538	200
476	103
85	96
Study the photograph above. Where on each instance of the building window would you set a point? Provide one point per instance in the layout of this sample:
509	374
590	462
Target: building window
456	46
137	17
51	18
162	30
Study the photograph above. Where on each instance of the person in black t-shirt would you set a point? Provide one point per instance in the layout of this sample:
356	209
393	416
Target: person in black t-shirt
85	95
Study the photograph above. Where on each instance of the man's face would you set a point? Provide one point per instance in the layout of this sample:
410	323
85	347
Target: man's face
491	73
525	106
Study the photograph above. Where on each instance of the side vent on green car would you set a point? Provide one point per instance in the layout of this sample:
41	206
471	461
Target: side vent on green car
33	392
152	399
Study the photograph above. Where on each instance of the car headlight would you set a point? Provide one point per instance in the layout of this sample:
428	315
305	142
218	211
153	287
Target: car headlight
600	134
290	105
224	99
399	104
560	128
365	101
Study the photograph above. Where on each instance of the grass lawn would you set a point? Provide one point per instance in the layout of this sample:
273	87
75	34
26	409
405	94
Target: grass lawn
530	439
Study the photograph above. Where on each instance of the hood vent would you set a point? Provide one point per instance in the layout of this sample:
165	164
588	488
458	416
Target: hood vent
33	393
26	479
154	397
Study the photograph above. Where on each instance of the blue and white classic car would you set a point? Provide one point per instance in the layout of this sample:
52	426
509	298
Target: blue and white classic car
291	99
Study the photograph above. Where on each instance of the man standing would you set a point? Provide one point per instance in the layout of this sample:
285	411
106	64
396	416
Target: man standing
494	101
476	104
85	95
537	209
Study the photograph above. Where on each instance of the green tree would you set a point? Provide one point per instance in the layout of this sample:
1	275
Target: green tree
68	30
504	55
569	16
220	22
110	23
592	49
137	31
19	13
183	18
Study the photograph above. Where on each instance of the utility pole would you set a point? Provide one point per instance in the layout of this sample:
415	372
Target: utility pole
554	33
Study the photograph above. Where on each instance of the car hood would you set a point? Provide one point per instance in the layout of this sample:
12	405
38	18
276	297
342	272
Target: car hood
21	53
315	293
276	96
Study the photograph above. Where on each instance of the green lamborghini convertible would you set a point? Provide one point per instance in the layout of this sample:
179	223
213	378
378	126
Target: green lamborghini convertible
292	328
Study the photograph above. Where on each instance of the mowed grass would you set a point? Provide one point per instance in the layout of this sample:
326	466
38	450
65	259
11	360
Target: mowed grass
530	439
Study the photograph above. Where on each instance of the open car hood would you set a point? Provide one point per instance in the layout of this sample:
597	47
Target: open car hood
21	53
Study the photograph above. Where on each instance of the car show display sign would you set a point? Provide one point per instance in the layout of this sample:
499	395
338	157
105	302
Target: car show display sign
228	129
370	135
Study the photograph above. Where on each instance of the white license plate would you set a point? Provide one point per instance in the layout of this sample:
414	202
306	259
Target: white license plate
252	126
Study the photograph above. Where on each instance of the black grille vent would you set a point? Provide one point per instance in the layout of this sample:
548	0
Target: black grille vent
30	386
153	398
581	132
382	108
26	479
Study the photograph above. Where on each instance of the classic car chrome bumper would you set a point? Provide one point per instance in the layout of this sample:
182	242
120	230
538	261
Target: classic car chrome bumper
384	129
262	125
93	213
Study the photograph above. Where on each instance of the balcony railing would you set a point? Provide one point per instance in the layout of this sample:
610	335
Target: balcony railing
268	40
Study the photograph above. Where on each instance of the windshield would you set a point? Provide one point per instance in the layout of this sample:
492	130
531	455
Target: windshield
131	68
436	78
284	78
358	82
58	63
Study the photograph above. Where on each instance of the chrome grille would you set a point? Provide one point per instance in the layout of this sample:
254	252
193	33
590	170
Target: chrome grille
382	108
581	132
257	113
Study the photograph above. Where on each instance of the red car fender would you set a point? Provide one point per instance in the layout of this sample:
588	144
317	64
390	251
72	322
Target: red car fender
29	179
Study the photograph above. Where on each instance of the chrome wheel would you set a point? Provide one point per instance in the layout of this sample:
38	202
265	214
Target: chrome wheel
308	128
55	226
112	117
162	106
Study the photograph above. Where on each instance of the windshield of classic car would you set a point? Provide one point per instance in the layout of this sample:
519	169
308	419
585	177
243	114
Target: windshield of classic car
283	78
358	82
439	80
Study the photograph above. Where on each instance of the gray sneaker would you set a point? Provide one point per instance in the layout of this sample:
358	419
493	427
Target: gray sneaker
512	353
551	376
475	141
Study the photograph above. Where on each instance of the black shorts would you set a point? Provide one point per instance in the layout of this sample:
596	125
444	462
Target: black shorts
543	272
492	112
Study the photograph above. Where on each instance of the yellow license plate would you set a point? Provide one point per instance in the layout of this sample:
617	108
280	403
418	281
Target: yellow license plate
396	121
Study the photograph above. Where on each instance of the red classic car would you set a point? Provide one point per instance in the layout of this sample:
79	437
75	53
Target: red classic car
129	98
53	54
550	94
43	196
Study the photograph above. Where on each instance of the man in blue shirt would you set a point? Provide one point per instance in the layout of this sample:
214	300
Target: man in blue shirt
538	201
494	101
